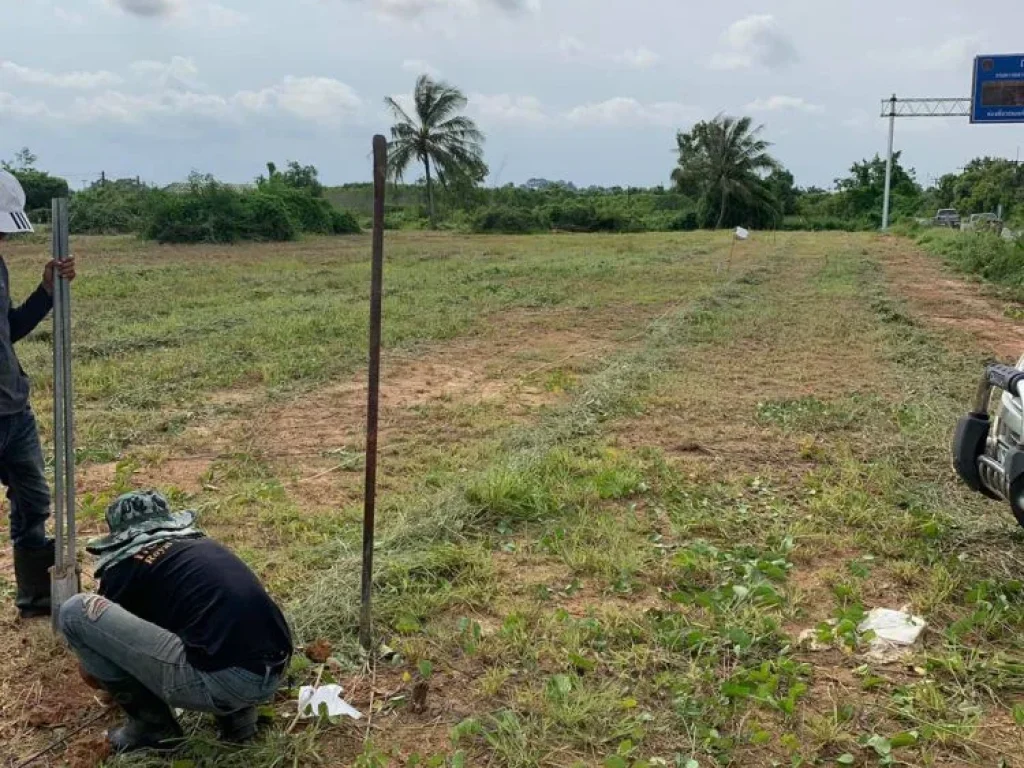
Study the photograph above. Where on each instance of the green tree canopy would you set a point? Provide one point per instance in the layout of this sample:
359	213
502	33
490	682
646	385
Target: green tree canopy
436	135
723	164
40	187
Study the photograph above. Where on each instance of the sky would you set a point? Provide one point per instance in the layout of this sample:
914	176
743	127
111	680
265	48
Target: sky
589	91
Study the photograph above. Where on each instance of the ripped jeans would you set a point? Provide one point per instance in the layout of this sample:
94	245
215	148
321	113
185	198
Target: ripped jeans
114	645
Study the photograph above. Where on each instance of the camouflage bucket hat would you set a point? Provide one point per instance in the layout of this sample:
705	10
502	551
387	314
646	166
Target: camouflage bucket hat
137	514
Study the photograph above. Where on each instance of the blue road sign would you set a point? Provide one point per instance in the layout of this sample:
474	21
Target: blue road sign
998	93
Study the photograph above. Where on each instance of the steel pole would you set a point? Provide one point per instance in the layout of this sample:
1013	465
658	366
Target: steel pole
65	578
58	394
888	163
380	153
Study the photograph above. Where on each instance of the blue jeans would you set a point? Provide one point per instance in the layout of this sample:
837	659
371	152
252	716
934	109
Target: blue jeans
22	471
114	645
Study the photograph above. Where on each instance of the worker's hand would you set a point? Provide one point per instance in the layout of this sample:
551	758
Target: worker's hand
65	269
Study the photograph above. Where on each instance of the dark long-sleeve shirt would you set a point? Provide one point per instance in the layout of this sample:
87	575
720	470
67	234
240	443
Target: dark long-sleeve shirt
16	323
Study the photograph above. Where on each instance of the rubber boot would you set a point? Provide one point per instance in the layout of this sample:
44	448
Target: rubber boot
32	574
238	727
151	723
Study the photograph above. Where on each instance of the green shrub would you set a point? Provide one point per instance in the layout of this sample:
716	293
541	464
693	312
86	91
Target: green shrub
684	222
207	212
268	217
343	223
979	253
509	221
117	207
825	223
311	214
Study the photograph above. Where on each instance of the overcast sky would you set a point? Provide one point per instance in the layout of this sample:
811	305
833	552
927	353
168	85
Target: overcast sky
590	91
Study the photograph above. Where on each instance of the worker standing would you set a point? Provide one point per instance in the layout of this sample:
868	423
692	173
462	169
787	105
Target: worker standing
179	621
21	455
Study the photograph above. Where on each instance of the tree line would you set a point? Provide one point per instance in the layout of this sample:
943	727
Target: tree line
724	176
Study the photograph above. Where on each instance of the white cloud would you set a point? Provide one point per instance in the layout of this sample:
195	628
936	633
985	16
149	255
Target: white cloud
223	17
71	18
755	41
76	80
13	106
148	8
318	100
420	67
638	58
625	111
200	12
570	47
952	55
411	9
782	103
507	108
179	72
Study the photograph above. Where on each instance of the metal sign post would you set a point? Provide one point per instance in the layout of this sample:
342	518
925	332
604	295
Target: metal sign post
893	108
65	578
380	162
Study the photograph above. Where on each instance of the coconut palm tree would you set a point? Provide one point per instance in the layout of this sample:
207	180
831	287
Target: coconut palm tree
724	161
447	143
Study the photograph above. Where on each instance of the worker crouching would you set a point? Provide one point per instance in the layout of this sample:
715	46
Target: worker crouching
179	622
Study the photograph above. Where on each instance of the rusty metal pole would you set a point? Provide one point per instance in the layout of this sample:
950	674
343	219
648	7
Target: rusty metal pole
380	159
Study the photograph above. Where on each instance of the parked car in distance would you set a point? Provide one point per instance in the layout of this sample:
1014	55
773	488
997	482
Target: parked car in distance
947	217
983	222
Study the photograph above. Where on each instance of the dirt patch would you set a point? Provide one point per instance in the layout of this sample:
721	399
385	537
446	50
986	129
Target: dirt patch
183	473
41	693
945	302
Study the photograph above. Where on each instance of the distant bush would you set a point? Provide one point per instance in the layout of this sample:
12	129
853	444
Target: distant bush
40	187
311	214
684	222
210	212
825	223
207	212
343	223
509	221
583	217
116	207
267	217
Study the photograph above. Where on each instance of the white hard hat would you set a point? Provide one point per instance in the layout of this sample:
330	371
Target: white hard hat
12	205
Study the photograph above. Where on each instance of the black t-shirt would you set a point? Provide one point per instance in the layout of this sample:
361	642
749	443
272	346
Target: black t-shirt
204	594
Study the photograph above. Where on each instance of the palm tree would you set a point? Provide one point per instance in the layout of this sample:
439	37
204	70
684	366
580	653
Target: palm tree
443	140
723	160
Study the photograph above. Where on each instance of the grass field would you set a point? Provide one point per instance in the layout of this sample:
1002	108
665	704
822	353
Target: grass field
620	476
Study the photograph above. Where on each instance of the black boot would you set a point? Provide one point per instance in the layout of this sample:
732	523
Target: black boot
32	574
151	723
238	727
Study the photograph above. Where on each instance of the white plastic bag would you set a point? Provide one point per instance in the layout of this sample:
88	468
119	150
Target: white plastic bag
313	700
